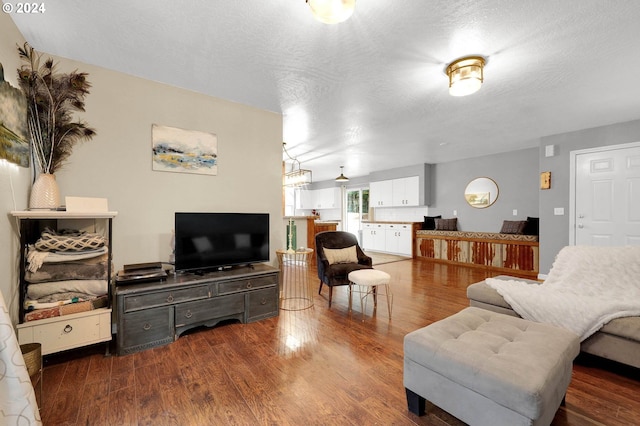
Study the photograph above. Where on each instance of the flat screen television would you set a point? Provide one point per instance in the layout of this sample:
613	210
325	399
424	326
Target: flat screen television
214	241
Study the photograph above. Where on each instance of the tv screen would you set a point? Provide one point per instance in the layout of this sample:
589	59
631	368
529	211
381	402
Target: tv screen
208	241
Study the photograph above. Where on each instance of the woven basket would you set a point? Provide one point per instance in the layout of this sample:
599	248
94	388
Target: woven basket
32	354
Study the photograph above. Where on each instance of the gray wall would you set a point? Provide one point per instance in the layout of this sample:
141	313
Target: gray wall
554	230
516	174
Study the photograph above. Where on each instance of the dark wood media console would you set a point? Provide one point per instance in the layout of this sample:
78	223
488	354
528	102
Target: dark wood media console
156	313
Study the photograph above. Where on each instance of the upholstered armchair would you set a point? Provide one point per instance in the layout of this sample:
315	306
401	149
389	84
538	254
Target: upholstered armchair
337	254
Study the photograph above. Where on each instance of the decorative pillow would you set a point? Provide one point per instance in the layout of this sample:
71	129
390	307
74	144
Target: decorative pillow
533	226
430	222
447	224
345	255
513	226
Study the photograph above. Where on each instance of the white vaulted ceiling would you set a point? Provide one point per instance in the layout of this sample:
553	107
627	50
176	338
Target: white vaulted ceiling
371	93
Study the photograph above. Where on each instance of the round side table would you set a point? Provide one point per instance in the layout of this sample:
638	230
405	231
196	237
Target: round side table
295	291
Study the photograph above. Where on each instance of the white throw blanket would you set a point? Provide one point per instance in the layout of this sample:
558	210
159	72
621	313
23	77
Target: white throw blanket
586	288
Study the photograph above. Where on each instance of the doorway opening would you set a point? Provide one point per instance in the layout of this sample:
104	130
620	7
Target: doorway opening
357	211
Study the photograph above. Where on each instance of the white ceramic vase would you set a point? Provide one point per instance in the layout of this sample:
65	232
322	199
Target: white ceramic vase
45	193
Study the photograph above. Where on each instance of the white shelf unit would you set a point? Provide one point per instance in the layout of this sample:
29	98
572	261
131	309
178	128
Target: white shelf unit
69	331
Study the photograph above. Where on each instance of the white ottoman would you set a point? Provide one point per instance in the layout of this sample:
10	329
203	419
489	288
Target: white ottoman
491	369
368	282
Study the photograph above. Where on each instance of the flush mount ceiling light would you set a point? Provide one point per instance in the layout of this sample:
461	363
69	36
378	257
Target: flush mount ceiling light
332	11
465	75
299	177
342	177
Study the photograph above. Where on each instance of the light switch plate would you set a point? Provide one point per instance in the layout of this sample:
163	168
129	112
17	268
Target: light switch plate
549	150
558	211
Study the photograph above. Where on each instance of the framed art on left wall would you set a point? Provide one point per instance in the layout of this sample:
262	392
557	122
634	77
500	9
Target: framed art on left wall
14	146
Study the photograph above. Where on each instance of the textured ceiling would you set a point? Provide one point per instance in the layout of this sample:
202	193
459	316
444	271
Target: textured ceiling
371	93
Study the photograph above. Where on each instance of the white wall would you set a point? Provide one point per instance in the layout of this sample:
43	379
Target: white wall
117	164
14	180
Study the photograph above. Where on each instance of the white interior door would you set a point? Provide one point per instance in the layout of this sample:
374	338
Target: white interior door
607	196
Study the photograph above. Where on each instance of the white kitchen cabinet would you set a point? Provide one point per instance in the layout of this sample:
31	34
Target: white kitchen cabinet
406	191
381	193
327	198
401	192
373	236
304	199
398	239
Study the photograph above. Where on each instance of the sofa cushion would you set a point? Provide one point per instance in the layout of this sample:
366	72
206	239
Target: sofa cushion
340	271
481	292
513	227
447	224
429	223
533	226
344	255
627	327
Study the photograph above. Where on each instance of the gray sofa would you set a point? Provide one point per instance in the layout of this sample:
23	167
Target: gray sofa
618	340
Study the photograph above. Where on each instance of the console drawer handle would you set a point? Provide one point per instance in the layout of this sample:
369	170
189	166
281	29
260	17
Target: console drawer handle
170	298
67	329
188	314
249	285
146	327
263	302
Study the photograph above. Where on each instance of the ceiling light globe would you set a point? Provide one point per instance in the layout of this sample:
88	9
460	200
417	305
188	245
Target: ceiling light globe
332	11
465	87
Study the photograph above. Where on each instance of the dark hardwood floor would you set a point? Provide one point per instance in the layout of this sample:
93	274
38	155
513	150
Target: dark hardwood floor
319	366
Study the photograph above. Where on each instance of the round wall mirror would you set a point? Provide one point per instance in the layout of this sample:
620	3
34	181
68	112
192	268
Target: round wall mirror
481	192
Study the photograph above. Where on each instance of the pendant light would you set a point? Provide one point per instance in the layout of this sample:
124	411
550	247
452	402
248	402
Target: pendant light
342	177
295	178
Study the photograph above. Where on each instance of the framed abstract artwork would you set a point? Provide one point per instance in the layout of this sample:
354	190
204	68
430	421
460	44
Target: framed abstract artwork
184	151
14	143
